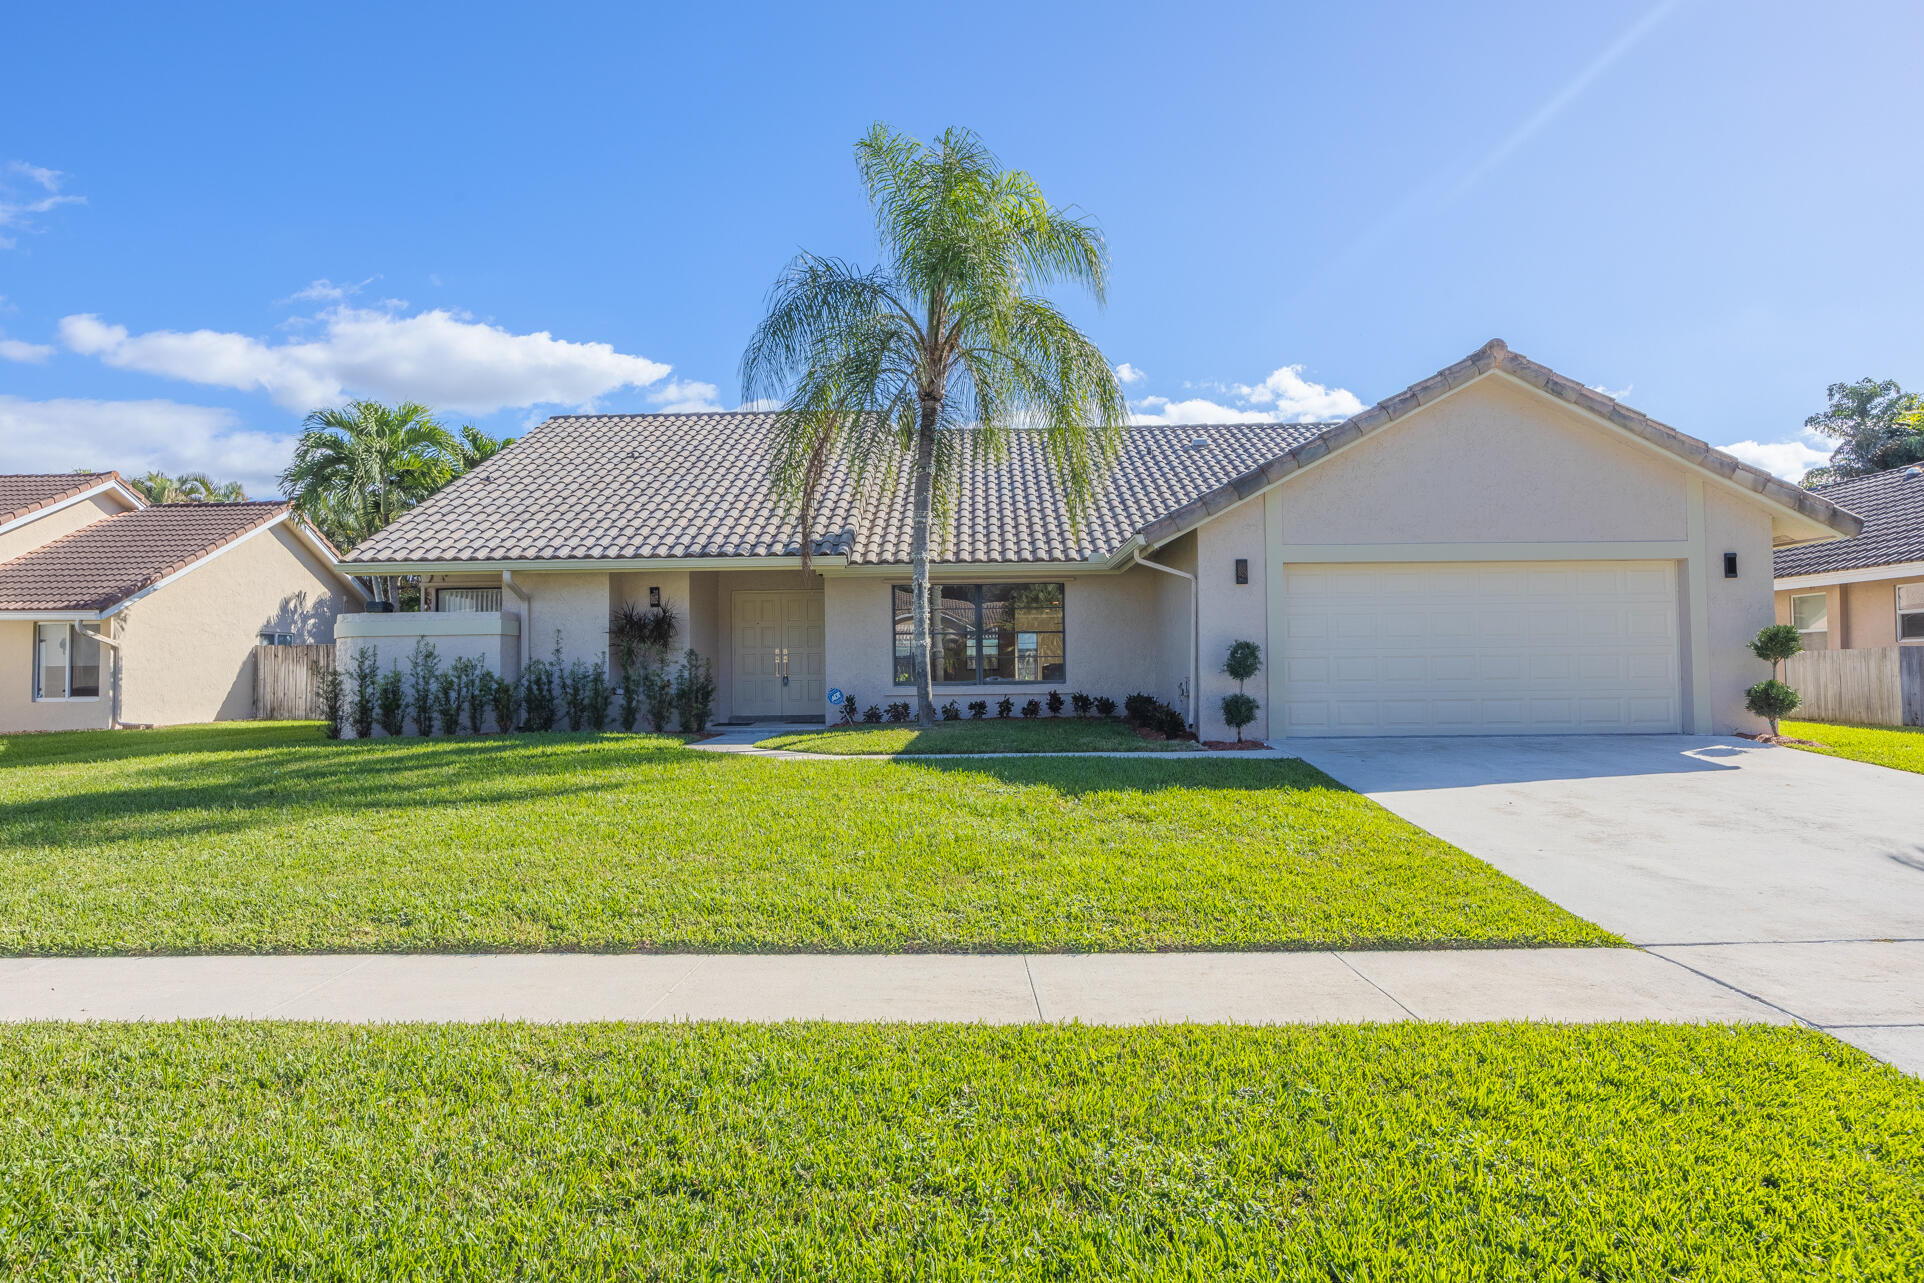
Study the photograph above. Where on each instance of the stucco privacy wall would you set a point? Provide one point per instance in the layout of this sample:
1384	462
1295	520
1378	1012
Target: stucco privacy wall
18	709
491	637
1114	644
187	648
569	608
49	526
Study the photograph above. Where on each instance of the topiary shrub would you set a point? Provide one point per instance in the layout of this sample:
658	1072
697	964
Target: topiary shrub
1773	700
1244	660
1239	710
1774	643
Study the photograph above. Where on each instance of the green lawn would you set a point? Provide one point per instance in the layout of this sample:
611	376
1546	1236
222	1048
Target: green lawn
991	735
1388	1152
1898	747
244	837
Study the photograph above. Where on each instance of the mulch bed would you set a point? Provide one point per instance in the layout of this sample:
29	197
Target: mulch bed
1233	744
1784	740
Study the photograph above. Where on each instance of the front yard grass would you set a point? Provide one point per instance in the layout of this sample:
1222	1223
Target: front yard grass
990	735
1901	748
254	838
221	1151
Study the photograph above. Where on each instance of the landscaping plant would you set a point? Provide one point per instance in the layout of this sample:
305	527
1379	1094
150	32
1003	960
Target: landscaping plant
850	715
1772	699
695	693
658	695
424	671
392	699
1055	703
364	676
872	714
597	696
1004	706
899	712
1244	661
574	695
538	696
1105	707
978	709
951	712
1032	708
506	700
447	702
630	694
1081	703
480	698
327	685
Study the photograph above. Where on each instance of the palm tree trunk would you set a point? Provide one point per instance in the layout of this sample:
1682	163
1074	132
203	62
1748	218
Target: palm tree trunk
919	555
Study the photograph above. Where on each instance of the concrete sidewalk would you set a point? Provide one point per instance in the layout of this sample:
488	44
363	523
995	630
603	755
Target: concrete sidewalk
1102	988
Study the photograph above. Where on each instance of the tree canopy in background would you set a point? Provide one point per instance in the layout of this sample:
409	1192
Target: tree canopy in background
188	487
1877	425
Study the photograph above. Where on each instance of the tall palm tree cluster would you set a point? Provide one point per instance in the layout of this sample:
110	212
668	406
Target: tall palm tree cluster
188	487
358	467
1876	424
943	351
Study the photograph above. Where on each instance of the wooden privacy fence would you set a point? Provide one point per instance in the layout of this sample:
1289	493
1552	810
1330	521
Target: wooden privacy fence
284	686
1875	686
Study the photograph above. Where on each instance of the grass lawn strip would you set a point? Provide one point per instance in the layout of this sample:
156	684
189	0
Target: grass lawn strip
1525	1152
1898	747
251	838
1000	735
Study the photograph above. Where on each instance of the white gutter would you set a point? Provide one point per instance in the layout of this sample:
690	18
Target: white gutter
527	612
1195	623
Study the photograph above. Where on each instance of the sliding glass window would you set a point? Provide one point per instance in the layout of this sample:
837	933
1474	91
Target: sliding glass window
985	633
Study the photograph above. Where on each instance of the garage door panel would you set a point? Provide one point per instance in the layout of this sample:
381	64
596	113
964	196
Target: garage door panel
1481	649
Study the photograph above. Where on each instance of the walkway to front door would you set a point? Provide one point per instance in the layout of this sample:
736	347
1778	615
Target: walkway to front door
779	655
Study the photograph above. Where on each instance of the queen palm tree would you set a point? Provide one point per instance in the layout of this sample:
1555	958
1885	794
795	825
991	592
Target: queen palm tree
940	353
188	487
473	447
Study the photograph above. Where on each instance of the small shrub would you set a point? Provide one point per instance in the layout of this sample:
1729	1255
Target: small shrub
851	711
538	696
658	697
978	709
1055	703
574	695
327	685
1245	658
1105	707
364	680
506	699
1169	723
393	701
424	674
1239	710
447	702
631	694
695	693
1032	708
1140	709
1081	703
951	712
899	712
1004	706
1772	699
480	697
872	714
1775	643
597	696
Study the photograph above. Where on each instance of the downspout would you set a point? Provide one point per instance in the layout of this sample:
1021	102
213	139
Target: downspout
113	700
527	613
1195	623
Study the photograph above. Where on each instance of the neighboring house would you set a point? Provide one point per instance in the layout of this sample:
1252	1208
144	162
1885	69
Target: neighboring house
115	612
1497	549
1867	591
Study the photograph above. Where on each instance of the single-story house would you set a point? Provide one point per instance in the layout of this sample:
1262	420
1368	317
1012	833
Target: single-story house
117	612
1496	549
1850	594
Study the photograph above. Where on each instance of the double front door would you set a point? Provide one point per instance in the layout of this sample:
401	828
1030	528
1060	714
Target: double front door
779	655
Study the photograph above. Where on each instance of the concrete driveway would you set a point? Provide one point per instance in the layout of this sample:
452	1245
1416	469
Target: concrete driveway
1792	877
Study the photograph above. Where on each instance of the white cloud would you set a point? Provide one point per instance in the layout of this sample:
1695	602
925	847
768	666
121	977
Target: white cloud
1285	396
436	357
1127	373
1615	394
1787	459
326	291
684	396
30	353
26	190
140	436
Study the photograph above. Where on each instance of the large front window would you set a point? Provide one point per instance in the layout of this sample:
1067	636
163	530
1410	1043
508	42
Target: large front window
984	633
66	663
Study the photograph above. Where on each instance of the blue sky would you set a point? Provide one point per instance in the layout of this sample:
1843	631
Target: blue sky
213	220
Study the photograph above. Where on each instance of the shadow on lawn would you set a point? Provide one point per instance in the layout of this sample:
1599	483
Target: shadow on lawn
1077	776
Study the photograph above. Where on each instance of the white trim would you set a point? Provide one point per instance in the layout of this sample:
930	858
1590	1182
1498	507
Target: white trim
1857	575
51	616
1615	550
70	501
534	565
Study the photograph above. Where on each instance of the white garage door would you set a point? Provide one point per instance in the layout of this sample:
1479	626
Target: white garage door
1483	648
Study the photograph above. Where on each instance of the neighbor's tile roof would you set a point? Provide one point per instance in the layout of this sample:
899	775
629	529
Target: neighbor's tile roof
1892	506
695	485
107	561
22	493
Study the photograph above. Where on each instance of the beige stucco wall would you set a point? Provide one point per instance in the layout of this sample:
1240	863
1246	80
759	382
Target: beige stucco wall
1231	612
18	709
1738	607
187	649
1495	462
1860	615
49	526
1114	628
